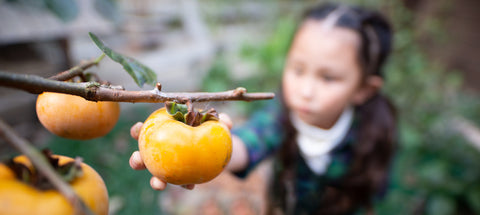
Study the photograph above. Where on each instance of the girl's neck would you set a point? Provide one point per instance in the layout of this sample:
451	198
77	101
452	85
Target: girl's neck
342	121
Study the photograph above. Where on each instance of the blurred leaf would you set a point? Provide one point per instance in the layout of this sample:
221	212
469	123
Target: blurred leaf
218	77
434	173
66	10
411	137
473	199
139	72
440	205
108	9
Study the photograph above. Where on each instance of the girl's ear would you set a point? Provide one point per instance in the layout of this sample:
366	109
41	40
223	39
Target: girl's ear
370	86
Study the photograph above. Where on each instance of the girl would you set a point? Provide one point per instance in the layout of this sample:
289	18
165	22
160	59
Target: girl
332	132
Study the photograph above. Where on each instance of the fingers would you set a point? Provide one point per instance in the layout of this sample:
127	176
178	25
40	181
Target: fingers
225	119
136	161
135	130
189	186
157	184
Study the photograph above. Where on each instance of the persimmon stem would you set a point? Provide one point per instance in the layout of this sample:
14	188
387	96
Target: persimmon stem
43	166
94	91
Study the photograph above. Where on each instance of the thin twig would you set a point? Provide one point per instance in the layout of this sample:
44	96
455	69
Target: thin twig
77	70
96	92
42	165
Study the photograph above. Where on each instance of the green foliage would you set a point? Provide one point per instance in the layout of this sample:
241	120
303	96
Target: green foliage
68	10
218	77
434	167
268	60
138	71
108	9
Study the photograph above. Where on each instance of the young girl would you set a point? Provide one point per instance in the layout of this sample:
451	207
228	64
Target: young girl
332	133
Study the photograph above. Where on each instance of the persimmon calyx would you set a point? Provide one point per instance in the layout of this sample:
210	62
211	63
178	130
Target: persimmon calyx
189	116
68	171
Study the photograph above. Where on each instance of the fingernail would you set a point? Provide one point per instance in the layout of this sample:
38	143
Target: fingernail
188	186
157	184
136	159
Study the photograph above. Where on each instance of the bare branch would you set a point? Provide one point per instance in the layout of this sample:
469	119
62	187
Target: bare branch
96	92
77	70
43	166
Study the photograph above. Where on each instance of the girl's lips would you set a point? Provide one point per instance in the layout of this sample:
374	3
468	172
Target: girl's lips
303	111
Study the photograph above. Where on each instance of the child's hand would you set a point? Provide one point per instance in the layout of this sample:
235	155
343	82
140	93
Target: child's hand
137	163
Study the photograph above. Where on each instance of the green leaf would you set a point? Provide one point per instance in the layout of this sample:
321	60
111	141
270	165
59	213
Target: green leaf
441	205
108	9
139	72
66	10
473	199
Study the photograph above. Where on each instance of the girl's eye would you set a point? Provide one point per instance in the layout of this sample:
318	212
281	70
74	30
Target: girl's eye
328	78
296	70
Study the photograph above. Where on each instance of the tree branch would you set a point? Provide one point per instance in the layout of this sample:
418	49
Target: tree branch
39	161
77	70
94	91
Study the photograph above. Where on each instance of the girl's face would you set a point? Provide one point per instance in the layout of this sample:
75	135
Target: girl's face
322	75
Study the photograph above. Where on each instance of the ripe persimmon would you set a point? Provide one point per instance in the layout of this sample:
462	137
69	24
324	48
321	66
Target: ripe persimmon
18	197
74	117
183	154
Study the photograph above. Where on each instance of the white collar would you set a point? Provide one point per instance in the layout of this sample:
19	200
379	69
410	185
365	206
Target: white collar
315	143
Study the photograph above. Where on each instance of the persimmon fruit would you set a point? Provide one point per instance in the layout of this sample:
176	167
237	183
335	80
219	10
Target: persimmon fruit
74	117
20	198
182	154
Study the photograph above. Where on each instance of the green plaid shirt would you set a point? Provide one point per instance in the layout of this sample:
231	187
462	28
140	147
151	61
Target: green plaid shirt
264	133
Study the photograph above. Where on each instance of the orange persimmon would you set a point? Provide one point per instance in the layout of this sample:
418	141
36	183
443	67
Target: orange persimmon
20	198
74	117
182	154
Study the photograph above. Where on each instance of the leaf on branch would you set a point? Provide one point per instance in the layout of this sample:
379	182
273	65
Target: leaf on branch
139	72
66	10
108	9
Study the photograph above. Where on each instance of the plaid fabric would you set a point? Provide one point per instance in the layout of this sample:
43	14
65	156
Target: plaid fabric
309	187
263	135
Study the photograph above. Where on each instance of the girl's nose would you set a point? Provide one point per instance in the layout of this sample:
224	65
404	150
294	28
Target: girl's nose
306	88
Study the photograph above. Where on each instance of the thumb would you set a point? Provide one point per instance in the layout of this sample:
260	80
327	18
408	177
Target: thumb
135	130
225	119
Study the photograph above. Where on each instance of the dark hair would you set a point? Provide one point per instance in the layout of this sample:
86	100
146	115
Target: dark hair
374	147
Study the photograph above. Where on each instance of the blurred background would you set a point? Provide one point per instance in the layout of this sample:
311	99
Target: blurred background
216	45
